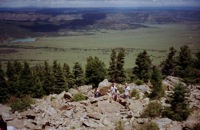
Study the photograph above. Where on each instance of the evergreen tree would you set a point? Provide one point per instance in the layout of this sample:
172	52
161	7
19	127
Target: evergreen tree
27	81
78	74
112	67
185	61
17	67
55	66
60	82
170	63
13	81
197	60
68	75
156	80
48	80
179	109
37	90
3	86
95	71
120	72
39	71
10	71
143	66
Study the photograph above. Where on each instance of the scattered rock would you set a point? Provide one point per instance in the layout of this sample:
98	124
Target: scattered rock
163	123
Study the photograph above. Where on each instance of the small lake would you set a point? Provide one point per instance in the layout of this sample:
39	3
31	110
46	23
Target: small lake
24	40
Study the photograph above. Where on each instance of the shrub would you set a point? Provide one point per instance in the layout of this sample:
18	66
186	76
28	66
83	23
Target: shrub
135	93
20	104
78	97
119	125
120	89
139	82
148	126
153	109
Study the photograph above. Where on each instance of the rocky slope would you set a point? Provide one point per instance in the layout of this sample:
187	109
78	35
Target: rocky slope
57	112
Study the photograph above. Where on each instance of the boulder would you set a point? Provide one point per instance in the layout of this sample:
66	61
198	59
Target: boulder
104	83
85	89
163	123
73	91
90	123
136	106
141	88
94	115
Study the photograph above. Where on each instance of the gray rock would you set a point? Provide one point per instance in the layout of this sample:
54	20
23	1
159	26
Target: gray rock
136	106
94	115
163	123
104	83
85	89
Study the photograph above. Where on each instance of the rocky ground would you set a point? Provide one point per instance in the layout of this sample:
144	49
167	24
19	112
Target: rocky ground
57	112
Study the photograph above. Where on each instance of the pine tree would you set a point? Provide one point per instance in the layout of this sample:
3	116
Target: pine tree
143	66
197	61
169	64
37	90
120	72
112	67
185	61
156	80
60	82
48	80
95	71
179	109
68	75
17	67
78	74
13	81
27	81
3	86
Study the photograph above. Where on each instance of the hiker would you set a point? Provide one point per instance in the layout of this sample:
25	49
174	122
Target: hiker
115	95
113	88
96	93
3	124
126	91
112	91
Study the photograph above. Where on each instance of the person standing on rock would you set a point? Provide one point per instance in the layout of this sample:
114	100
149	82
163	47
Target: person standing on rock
126	91
115	95
113	89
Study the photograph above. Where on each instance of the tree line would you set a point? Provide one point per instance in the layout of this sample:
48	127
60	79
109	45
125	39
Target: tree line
19	79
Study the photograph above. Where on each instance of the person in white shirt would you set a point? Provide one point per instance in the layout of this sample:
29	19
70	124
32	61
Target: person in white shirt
127	90
113	88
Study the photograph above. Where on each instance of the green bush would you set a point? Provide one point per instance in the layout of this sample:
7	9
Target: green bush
148	126
139	82
120	89
20	104
135	93
153	109
119	125
78	97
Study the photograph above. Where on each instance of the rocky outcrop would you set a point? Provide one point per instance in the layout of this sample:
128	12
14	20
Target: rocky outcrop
58	112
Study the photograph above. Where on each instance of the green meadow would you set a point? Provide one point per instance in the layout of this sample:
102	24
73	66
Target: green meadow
77	46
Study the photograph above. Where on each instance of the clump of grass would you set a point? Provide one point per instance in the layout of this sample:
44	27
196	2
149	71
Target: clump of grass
148	126
135	93
139	82
78	97
120	89
119	125
20	104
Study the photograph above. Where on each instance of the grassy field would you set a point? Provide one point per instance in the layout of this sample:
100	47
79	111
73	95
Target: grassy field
77	47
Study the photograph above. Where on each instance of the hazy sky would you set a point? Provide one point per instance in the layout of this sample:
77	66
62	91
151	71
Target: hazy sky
97	3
